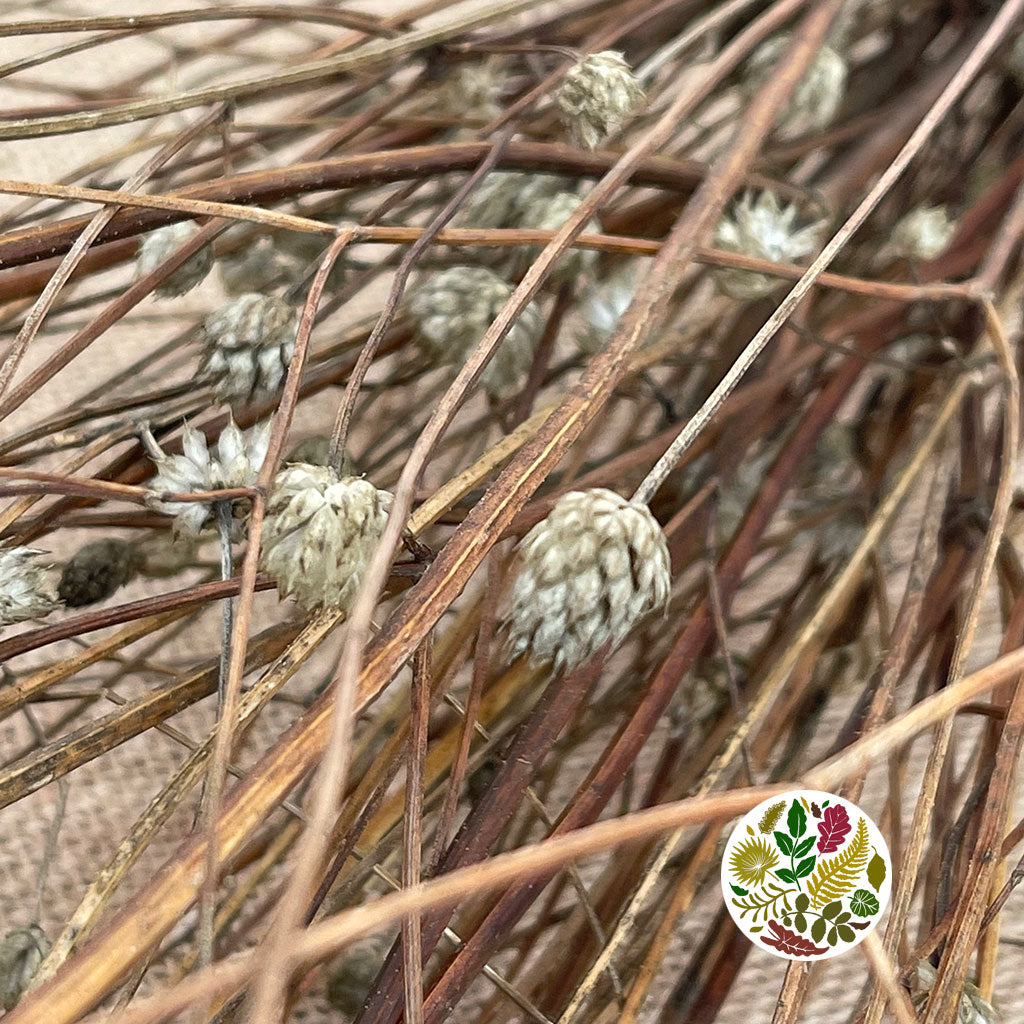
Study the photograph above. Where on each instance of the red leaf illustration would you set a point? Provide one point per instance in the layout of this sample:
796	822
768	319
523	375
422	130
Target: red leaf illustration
789	942
833	828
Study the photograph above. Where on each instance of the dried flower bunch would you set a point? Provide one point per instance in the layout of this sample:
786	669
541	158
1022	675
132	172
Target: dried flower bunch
973	1007
817	96
587	574
759	226
158	245
597	97
249	344
452	311
321	531
235	463
24	592
617	540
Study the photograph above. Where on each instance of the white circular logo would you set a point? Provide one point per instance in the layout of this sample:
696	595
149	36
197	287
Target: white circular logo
806	875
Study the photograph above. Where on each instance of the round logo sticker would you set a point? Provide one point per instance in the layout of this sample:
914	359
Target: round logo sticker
806	876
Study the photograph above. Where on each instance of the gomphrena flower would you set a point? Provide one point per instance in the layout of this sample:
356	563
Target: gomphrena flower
24	593
249	343
922	234
96	571
587	574
550	213
320	533
159	244
21	953
604	303
236	464
452	311
817	95
759	226
501	199
974	1008
597	95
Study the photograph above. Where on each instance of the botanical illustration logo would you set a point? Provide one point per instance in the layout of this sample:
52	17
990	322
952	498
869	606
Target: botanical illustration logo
806	876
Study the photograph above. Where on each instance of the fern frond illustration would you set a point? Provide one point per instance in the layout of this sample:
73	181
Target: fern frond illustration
771	817
751	860
771	901
838	875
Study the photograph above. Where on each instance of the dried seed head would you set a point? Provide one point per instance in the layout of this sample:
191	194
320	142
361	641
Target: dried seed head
587	574
922	234
472	91
350	976
452	311
159	244
252	268
758	226
320	533
236	464
973	1007
604	303
550	213
817	96
249	343
596	97
501	199
96	570
24	593
21	953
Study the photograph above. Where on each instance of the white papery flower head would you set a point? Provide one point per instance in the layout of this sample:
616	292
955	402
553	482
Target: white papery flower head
249	344
549	213
759	226
586	575
817	95
922	234
320	534
604	304
236	462
253	267
501	199
452	310
24	591
21	953
472	90
159	244
597	96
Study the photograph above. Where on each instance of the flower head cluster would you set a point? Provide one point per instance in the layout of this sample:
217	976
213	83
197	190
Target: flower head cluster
24	593
550	213
596	97
452	311
160	244
503	197
605	302
96	571
587	574
21	953
251	268
320	534
759	226
922	234
816	98
249	344
236	463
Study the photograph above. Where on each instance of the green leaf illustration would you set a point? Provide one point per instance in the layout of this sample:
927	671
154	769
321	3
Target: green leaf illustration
876	871
804	846
833	936
784	843
770	901
802	902
771	818
864	902
837	875
818	929
751	860
846	933
756	928
799	922
736	889
805	867
830	910
796	820
786	875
